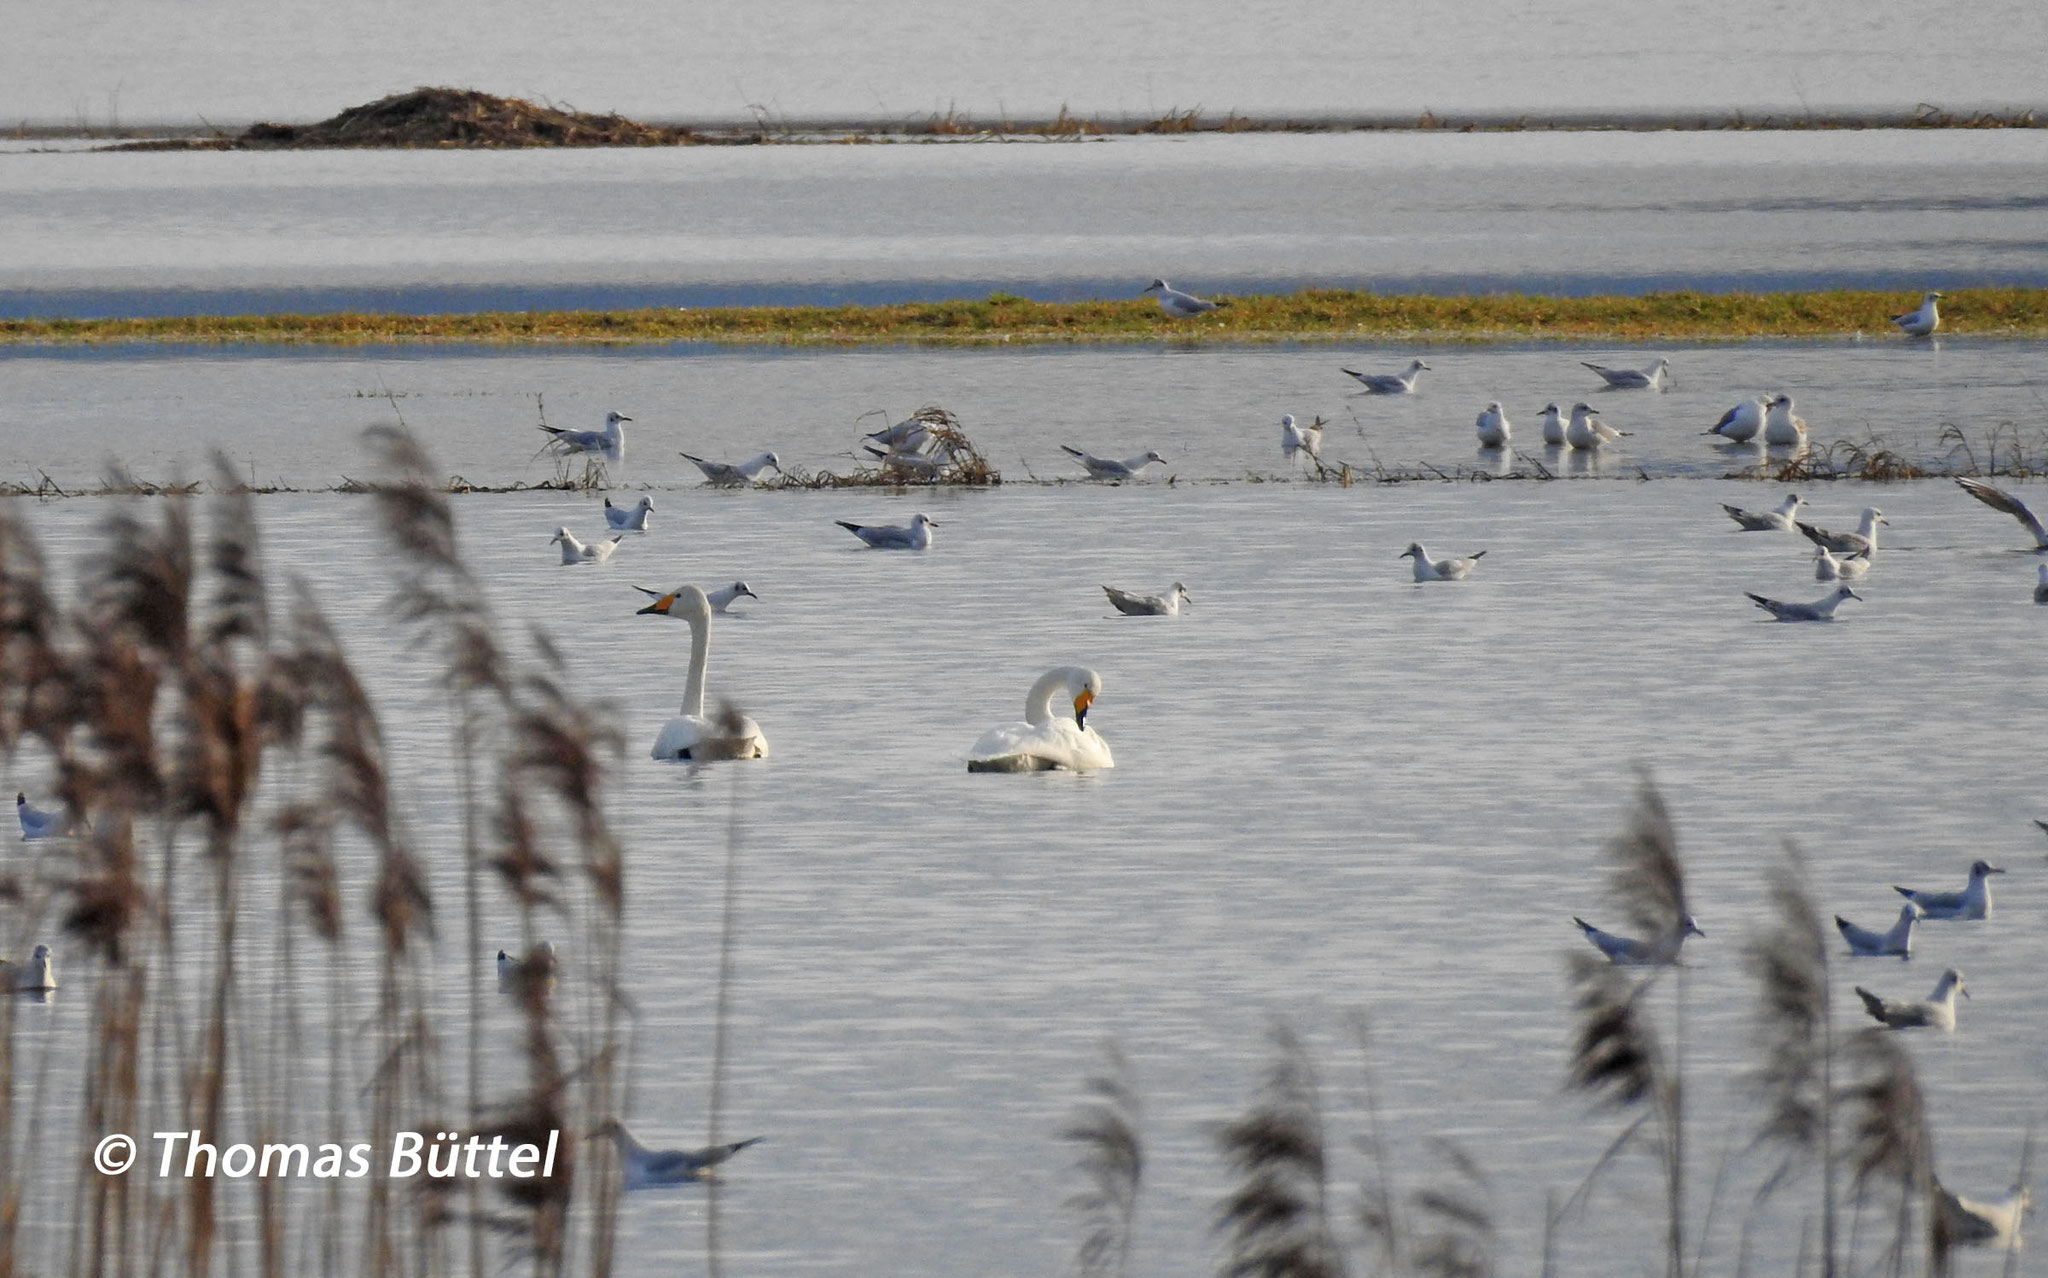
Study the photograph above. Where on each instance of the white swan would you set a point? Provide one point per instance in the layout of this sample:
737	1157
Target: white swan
690	736
1045	741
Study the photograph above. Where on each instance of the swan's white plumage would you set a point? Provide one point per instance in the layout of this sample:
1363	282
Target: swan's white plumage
1046	740
690	737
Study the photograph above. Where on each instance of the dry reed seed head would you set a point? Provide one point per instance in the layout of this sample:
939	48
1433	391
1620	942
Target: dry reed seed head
1615	1053
1888	1124
1790	961
1645	874
520	862
240	605
107	899
306	831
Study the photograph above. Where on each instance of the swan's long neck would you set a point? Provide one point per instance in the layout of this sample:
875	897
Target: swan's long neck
1038	701
700	656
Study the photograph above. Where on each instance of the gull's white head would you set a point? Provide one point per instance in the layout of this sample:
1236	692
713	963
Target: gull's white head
774	461
1688	926
560	534
1978	869
1155	284
646	503
921	519
1155	457
1414	551
1287	419
1493	406
1843	592
613	419
1182	591
1416	365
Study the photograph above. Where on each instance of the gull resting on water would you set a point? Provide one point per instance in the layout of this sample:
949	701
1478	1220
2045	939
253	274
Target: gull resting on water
1624	951
1779	520
1427	569
1493	426
1553	426
721	599
1107	468
1973	902
575	552
1782	428
1587	431
1655	377
646	1168
1166	605
1300	439
633	520
1938	1011
1864	539
1401	383
36	823
1741	423
918	536
736	472
1865	943
1818	610
38	977
1921	322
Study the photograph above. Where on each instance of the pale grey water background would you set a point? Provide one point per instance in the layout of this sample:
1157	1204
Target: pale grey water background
1335	790
231	61
214	233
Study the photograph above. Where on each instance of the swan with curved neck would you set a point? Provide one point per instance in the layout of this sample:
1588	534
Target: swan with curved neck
1047	740
690	737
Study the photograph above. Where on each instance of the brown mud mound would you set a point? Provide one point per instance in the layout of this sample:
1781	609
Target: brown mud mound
446	118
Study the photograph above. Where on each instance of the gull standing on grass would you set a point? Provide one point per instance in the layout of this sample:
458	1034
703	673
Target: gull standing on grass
1864	539
1865	943
1106	468
1553	426
645	1168
1624	951
1655	377
1818	610
1587	431
1300	439
1164	605
634	520
1427	569
1493	426
1401	383
1783	428
1779	520
1923	321
1937	1012
1973	902
918	536
575	552
1848	568
735	473
1999	499
1741	423
609	443
1178	304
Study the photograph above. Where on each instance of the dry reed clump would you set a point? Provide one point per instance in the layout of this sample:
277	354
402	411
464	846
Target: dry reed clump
442	118
1276	1219
950	458
1106	1126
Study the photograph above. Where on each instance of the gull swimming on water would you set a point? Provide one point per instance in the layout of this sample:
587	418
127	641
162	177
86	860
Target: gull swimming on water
1868	944
1848	568
38	977
1992	1221
1779	520
645	1168
1623	951
575	552
1493	426
1741	423
1587	431
1166	605
609	442
722	599
1401	383
1863	539
36	823
1553	426
1427	569
918	536
1652	378
1045	740
1999	499
1819	610
1300	439
1921	322
1105	468
1938	1011
1782	428
736	473
1178	304
634	520
1973	902
690	737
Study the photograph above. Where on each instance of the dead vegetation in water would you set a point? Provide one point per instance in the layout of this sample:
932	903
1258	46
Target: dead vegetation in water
947	457
2005	451
441	119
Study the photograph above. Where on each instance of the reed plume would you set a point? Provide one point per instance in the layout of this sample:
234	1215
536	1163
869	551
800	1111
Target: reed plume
1277	1217
1106	1126
1454	1234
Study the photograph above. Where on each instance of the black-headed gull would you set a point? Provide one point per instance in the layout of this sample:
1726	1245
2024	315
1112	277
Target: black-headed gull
1493	426
1782	427
1972	902
628	520
1162	605
1553	426
1992	1222
1850	567
907	436
1921	322
609	442
1655	377
1818	610
736	472
1300	439
918	536
915	465
1937	1011
1401	383
1108	468
1863	539
1999	499
1427	569
1587	431
1624	951
1178	304
646	1168
1740	424
575	552
1779	520
37	976
36	823
721	599
1898	942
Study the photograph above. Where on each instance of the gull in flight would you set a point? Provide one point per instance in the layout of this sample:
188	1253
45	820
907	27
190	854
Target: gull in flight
1740	424
575	552
740	473
1999	499
1921	322
1782	428
1850	567
1995	1221
1178	304
1865	943
1624	951
1973	902
39	824
1779	520
1166	605
894	536
39	977
1300	439
646	1168
1937	1012
1401	383
1553	426
1655	377
1104	468
1587	431
1819	610
722	599
1863	539
1493	426
634	520
609	442
1427	569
